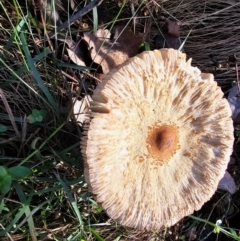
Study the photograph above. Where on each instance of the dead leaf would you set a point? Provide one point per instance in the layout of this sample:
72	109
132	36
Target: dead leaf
167	41
192	233
169	37
172	28
227	183
232	161
234	102
74	50
73	56
110	49
81	108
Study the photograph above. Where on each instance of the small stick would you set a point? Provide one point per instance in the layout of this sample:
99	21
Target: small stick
45	31
134	15
10	238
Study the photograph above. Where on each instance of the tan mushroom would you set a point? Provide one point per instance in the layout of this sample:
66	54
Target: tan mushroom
158	142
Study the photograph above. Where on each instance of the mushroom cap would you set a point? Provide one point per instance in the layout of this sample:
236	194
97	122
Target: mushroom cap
159	140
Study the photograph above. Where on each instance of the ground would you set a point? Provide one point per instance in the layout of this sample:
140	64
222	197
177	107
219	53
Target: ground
43	192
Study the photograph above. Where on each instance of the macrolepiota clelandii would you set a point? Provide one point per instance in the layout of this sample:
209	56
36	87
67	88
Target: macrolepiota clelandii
158	142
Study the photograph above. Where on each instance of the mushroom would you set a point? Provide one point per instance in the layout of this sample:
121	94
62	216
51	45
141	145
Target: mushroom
158	142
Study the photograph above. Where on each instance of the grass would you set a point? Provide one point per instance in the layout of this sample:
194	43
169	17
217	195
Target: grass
45	195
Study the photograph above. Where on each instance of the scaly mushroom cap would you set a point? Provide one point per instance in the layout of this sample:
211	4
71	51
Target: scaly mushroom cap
159	140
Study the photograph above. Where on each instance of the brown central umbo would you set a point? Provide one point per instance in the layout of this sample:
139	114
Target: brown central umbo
163	142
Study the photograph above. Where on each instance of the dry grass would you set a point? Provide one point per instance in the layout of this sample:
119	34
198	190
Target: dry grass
55	196
214	34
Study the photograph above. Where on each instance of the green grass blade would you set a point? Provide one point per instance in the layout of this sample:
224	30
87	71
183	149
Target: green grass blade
71	199
17	29
42	55
43	144
184	41
47	190
55	180
29	87
35	72
77	144
96	235
73	66
202	220
77	237
56	188
67	159
2	205
6	117
34	210
24	68
16	8
20	213
15	34
229	234
95	19
28	212
10	114
118	238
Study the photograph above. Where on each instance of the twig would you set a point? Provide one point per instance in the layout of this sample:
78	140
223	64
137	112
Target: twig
10	238
45	32
76	16
133	14
69	76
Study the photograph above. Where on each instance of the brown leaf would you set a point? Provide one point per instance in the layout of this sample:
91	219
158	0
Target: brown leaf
74	57
172	28
227	183
112	49
234	102
169	38
74	50
167	41
81	108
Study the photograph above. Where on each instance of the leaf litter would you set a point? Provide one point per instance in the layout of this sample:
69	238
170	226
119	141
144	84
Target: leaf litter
227	183
74	51
170	35
81	108
234	101
112	48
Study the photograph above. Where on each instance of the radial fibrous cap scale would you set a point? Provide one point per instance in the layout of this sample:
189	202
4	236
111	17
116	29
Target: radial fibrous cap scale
159	140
